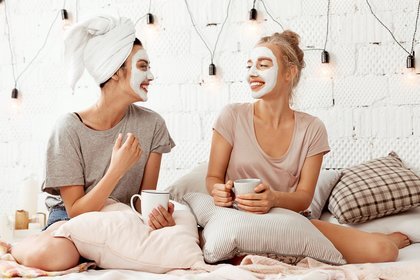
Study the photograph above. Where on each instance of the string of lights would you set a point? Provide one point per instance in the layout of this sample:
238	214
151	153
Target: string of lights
269	14
212	67
15	91
148	15
253	14
410	57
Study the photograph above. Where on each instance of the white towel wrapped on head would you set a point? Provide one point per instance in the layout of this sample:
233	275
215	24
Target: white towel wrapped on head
101	45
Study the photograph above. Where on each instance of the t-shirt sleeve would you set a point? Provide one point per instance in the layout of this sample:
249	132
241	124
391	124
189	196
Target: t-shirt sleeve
63	160
224	124
318	138
162	140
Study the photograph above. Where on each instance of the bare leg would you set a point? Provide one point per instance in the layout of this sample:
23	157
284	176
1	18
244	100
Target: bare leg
400	239
46	252
358	246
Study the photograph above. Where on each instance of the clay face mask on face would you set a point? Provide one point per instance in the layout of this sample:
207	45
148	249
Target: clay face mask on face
267	75
139	79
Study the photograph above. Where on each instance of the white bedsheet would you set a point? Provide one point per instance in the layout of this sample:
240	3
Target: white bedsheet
408	254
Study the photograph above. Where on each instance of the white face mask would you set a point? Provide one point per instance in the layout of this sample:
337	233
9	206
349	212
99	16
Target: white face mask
268	76
139	77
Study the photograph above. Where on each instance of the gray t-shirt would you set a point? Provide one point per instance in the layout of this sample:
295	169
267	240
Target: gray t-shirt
79	155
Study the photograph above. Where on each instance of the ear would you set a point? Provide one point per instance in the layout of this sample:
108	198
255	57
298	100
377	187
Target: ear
117	75
291	73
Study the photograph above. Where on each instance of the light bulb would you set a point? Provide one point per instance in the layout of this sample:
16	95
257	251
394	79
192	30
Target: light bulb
212	83
150	19
65	19
253	14
325	70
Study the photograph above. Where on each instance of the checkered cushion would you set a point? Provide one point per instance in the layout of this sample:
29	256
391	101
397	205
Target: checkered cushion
374	189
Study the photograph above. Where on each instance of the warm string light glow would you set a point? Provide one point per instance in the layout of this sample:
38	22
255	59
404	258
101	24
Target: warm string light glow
252	24
212	66
410	63
15	91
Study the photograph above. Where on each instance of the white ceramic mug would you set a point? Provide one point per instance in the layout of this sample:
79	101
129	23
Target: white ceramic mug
150	199
244	186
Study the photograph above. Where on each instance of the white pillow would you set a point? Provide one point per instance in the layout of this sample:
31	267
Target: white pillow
193	181
229	232
116	238
407	223
326	181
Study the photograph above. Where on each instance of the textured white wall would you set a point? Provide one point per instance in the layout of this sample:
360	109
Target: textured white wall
368	103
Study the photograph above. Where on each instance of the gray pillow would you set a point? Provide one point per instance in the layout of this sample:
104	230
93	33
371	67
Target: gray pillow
229	232
326	182
193	181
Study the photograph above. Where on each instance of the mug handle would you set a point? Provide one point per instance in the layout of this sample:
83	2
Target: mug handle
133	207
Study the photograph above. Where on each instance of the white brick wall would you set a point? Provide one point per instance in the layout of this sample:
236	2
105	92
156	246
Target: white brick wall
368	103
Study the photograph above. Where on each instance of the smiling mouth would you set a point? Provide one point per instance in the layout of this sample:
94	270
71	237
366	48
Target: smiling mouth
256	85
144	87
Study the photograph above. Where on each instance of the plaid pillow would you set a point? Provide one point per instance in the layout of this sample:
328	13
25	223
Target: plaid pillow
374	189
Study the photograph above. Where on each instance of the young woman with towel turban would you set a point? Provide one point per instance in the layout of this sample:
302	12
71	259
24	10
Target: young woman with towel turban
111	149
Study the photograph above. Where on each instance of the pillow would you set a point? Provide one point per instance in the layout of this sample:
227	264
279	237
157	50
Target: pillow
229	232
374	189
193	181
326	182
116	238
406	223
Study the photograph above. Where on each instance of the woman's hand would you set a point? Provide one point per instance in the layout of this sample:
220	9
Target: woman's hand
124	156
222	194
160	218
259	202
5	247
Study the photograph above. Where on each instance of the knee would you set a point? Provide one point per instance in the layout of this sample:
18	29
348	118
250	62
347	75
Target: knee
52	254
383	250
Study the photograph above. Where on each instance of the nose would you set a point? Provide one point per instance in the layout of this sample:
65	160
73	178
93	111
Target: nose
150	76
253	71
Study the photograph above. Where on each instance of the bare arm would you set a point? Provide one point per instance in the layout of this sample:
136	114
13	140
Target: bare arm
124	156
150	175
151	172
160	217
302	197
265	198
218	163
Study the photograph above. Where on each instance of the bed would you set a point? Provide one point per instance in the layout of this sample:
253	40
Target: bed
262	267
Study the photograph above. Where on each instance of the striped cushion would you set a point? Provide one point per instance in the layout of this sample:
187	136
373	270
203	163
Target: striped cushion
228	232
374	189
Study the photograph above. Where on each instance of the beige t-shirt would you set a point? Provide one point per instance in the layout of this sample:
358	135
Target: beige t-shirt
248	160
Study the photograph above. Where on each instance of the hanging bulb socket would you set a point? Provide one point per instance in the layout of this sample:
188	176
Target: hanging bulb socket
410	61
212	69
150	19
325	57
253	14
64	14
15	93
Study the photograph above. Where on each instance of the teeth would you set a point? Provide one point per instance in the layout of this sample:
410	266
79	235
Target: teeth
257	83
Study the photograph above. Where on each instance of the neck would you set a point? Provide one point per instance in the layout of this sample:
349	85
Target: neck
274	111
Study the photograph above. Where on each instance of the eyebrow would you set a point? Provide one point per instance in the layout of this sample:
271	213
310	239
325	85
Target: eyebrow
142	60
261	58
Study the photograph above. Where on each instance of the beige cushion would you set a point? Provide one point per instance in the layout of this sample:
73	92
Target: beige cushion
117	238
228	232
374	189
193	181
326	181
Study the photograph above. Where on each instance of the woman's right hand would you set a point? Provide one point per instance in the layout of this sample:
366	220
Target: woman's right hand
125	155
222	194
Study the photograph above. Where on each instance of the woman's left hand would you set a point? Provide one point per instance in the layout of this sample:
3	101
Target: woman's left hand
259	202
160	218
